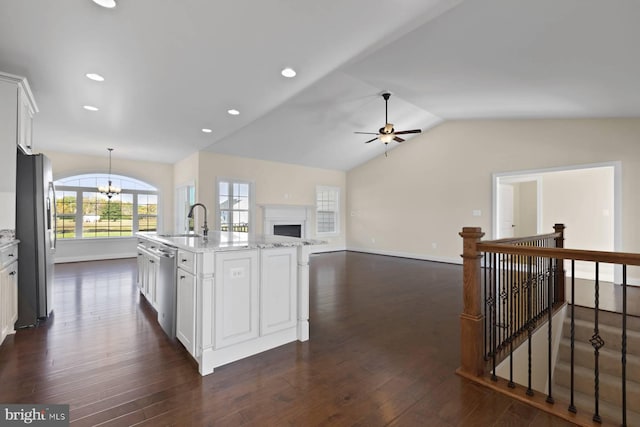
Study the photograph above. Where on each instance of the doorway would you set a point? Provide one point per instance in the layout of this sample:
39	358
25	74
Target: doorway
586	198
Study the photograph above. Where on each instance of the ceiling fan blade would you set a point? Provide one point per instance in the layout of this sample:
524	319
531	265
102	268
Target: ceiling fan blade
371	140
403	132
366	133
397	139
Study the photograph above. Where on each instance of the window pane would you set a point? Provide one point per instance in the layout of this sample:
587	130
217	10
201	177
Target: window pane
327	210
147	212
66	214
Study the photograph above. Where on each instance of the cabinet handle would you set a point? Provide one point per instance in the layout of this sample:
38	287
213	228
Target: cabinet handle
184	260
183	277
11	254
152	261
13	273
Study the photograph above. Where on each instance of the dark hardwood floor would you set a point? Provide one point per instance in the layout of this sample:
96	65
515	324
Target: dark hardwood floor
383	350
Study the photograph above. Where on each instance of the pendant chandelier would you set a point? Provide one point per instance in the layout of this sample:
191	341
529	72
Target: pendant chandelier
109	190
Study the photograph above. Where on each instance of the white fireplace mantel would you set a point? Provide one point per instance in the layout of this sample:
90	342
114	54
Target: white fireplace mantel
287	215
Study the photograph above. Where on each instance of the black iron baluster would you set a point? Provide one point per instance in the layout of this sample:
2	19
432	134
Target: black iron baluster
572	406
597	343
530	325
550	287
486	311
624	345
494	286
514	293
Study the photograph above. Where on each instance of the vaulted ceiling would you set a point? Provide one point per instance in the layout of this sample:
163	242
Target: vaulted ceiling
172	68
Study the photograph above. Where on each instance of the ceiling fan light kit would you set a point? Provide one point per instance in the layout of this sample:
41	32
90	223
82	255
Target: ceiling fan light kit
387	133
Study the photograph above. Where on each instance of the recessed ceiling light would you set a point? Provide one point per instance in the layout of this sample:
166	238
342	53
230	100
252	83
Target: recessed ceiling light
95	77
109	4
206	130
288	72
90	107
233	112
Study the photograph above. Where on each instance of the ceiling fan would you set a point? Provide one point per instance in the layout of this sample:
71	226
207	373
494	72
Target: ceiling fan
387	133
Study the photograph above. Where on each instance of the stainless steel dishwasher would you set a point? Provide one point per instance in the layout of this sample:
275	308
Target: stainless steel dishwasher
166	289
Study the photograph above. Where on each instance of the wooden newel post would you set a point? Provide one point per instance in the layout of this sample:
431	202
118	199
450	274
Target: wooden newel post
560	273
471	319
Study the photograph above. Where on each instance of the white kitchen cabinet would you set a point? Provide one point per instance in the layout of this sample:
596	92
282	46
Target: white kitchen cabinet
8	289
236	300
17	108
278	289
148	266
186	310
26	110
237	307
153	265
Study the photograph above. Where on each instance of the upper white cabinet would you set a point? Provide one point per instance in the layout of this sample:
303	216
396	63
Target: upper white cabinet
26	111
17	108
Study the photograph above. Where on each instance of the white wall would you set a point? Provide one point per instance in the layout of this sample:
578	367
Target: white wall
160	175
427	189
275	183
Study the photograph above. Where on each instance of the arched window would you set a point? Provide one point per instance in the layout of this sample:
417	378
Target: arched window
83	212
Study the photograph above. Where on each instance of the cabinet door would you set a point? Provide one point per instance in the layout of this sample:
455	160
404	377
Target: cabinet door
141	270
278	289
186	310
4	302
154	265
12	284
236	297
25	122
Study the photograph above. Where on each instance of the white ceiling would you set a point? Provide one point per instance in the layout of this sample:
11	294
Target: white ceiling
174	67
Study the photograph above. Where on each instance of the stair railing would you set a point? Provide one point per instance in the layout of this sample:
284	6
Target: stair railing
510	288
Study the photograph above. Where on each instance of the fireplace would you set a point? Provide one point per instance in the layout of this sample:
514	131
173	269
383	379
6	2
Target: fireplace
286	220
292	230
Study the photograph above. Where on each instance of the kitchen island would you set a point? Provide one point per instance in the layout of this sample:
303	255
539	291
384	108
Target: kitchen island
237	294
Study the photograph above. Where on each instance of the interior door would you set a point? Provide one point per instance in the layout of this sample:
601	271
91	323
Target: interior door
505	211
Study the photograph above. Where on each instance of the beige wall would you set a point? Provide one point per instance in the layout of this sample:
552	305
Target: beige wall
426	190
583	200
275	183
159	175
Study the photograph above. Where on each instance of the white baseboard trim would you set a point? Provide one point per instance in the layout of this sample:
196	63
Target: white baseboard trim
411	255
327	248
62	260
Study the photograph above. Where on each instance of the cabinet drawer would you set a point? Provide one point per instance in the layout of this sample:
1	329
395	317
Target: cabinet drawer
187	261
8	255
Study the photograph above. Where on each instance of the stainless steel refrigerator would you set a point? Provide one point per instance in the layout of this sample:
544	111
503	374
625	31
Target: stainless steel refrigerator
35	228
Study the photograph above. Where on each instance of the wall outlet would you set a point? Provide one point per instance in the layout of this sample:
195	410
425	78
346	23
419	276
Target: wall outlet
476	212
373	240
434	245
236	273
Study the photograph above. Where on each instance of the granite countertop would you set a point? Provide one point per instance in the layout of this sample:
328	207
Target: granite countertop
5	243
218	241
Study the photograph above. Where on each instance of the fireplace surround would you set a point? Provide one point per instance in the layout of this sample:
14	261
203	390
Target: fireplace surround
281	219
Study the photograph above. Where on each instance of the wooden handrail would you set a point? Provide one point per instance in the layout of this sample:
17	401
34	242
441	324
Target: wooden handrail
513	240
576	254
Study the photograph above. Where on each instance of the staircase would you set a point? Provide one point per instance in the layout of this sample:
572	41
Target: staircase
610	367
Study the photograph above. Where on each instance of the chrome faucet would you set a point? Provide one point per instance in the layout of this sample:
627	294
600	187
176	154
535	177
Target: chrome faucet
205	228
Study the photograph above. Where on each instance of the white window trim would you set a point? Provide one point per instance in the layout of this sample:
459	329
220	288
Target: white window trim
252	202
79	202
336	232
